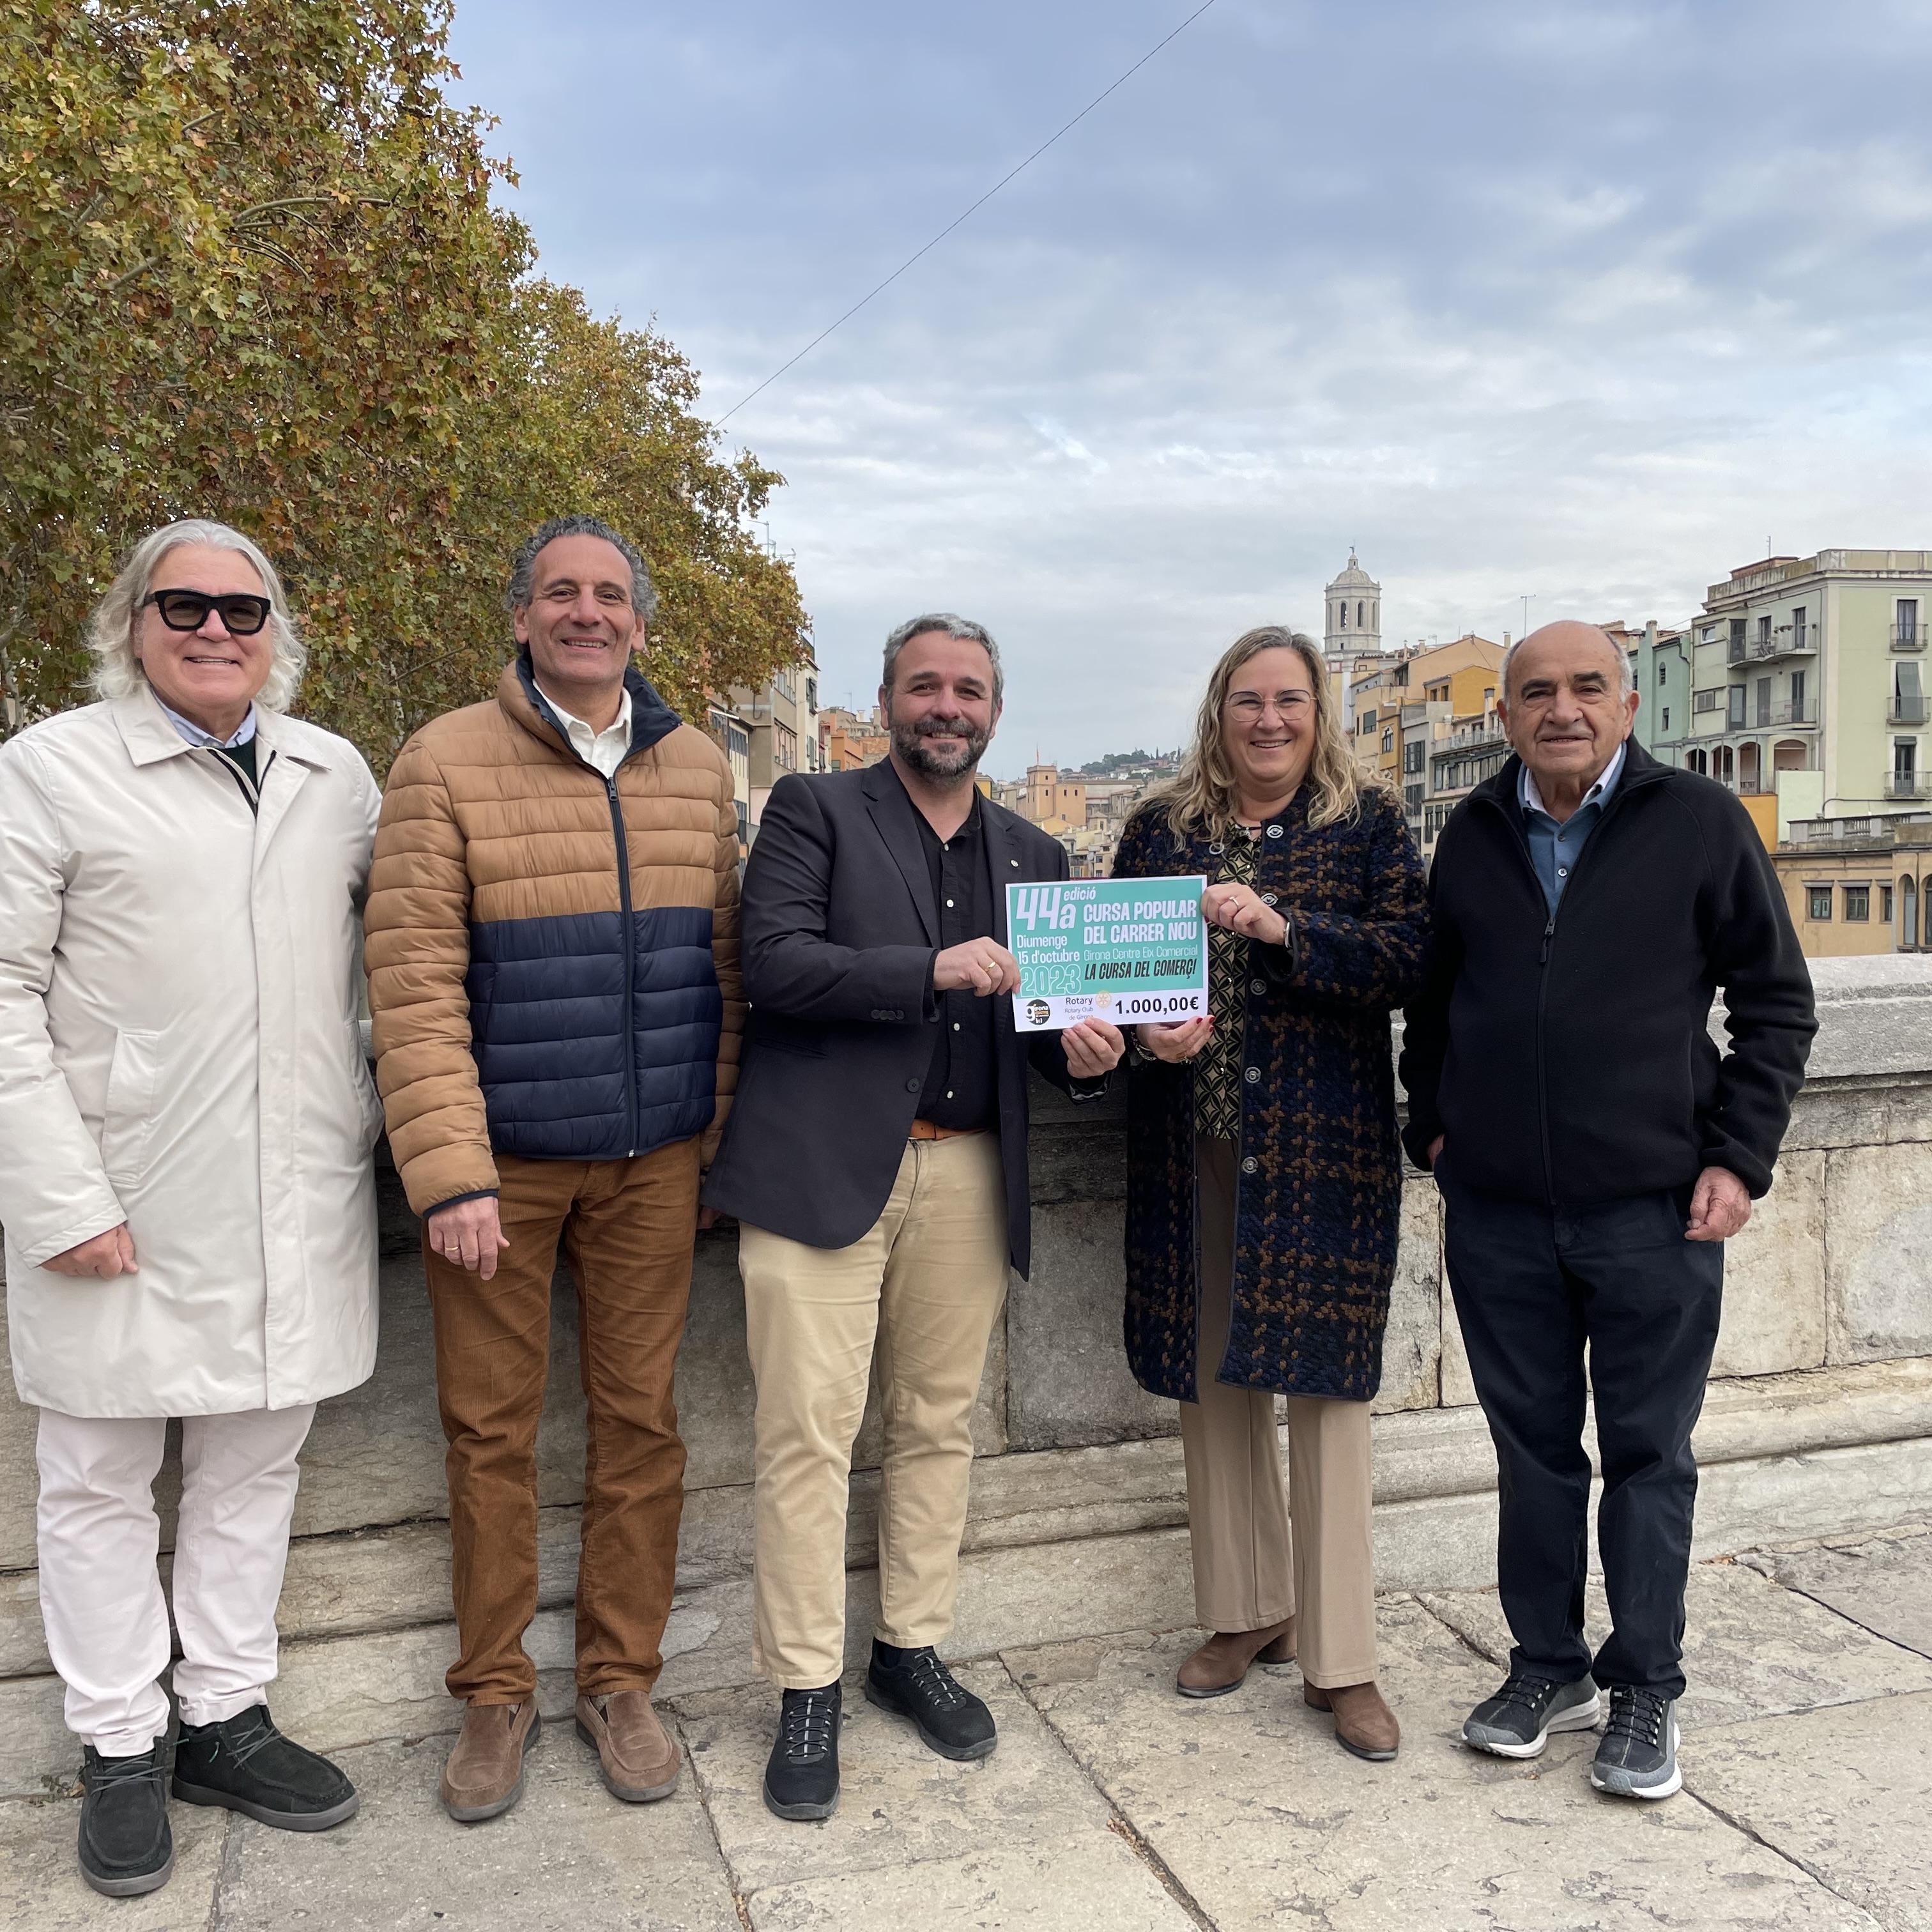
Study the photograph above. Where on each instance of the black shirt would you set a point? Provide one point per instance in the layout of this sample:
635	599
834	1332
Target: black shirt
961	1088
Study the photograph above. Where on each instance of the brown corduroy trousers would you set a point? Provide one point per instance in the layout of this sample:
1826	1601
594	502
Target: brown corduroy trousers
627	1228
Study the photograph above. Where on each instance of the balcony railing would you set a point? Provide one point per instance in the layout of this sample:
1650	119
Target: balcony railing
1905	710
1909	784
1908	636
1795	711
1784	642
1734	651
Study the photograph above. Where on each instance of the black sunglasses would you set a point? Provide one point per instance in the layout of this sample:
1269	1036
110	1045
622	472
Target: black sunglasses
242	613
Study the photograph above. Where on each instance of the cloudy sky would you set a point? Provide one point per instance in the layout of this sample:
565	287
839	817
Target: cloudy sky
1581	300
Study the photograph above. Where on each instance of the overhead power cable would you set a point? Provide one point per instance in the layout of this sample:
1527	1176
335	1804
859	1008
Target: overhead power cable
1021	169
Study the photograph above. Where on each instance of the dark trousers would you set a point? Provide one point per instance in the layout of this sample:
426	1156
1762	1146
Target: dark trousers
1533	1287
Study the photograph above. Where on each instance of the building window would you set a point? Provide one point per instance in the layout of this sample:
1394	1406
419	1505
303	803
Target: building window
1858	902
1662	671
1797	628
1666	718
1905	622
787	748
1820	898
1388	738
1705	700
1885	904
1343	607
811	693
1735	710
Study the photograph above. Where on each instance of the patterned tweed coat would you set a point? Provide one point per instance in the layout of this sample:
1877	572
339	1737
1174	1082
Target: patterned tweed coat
1319	1170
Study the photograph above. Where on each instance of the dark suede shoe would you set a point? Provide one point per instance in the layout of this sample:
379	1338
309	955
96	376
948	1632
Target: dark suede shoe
802	1775
246	1765
126	1847
914	1684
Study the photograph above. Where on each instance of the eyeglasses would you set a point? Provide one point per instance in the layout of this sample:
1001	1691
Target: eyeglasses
242	613
1245	706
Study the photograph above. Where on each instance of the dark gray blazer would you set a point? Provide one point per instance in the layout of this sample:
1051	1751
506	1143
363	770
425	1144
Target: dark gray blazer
836	939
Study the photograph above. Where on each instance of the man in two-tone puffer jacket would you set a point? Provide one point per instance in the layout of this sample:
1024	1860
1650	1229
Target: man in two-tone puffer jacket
553	954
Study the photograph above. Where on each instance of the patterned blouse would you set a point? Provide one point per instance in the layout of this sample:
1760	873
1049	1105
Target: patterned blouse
1217	1072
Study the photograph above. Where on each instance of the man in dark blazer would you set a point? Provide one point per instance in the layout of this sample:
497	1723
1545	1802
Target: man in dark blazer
876	1158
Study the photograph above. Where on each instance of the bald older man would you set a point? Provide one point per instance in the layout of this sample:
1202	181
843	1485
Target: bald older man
1593	1149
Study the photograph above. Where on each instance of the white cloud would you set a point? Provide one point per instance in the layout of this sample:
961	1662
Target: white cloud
1580	300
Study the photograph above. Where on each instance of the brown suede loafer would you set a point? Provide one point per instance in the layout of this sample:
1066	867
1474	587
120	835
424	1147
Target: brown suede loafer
1221	1664
1364	1724
484	1774
636	1760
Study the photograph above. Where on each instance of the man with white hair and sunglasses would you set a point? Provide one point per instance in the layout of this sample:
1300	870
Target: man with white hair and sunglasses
186	1123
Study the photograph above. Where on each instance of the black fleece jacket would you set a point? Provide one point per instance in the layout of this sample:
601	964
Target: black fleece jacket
1567	1059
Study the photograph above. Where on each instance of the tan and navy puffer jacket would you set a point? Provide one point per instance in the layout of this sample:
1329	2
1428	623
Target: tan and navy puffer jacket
542	986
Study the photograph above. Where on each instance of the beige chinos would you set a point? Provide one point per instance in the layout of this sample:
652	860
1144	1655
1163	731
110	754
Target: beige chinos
914	1299
1251	1569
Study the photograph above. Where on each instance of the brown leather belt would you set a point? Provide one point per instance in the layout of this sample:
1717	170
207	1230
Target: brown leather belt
924	1130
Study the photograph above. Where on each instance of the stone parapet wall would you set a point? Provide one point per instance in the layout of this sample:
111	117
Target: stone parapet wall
1820	1419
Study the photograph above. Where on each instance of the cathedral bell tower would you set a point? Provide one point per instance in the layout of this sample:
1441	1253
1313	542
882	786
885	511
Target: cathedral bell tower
1355	620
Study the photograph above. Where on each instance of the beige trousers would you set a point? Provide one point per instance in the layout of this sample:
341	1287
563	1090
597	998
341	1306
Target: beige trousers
914	1300
1250	1569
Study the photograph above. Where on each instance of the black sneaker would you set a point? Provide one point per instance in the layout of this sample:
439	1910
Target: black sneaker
126	1847
1638	1757
802	1774
245	1763
914	1684
1517	1721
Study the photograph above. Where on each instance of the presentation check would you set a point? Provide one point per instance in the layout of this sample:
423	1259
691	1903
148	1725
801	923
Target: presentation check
1124	950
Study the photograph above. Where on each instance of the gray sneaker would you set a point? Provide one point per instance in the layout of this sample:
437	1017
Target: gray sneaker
1517	1721
1638	1757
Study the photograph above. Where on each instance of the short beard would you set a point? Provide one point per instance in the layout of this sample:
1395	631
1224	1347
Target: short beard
909	742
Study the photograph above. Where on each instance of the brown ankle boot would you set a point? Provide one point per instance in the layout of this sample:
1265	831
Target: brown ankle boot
1221	1664
484	1773
636	1760
1363	1724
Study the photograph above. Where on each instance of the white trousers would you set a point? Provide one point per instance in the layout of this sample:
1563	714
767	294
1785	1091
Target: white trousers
101	1591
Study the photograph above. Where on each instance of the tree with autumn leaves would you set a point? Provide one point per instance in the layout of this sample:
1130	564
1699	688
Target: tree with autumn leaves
249	269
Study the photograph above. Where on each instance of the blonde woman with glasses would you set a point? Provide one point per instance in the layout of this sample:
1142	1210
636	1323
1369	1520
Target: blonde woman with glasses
1264	1179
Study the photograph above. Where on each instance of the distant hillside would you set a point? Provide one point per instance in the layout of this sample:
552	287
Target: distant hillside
1129	764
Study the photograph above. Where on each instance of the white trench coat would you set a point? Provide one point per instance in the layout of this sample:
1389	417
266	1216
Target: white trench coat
179	1050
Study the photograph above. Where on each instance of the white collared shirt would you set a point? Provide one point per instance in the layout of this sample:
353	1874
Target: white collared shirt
1599	794
196	736
604	750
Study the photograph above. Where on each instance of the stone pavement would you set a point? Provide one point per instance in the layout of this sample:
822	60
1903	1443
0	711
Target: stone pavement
1111	1805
